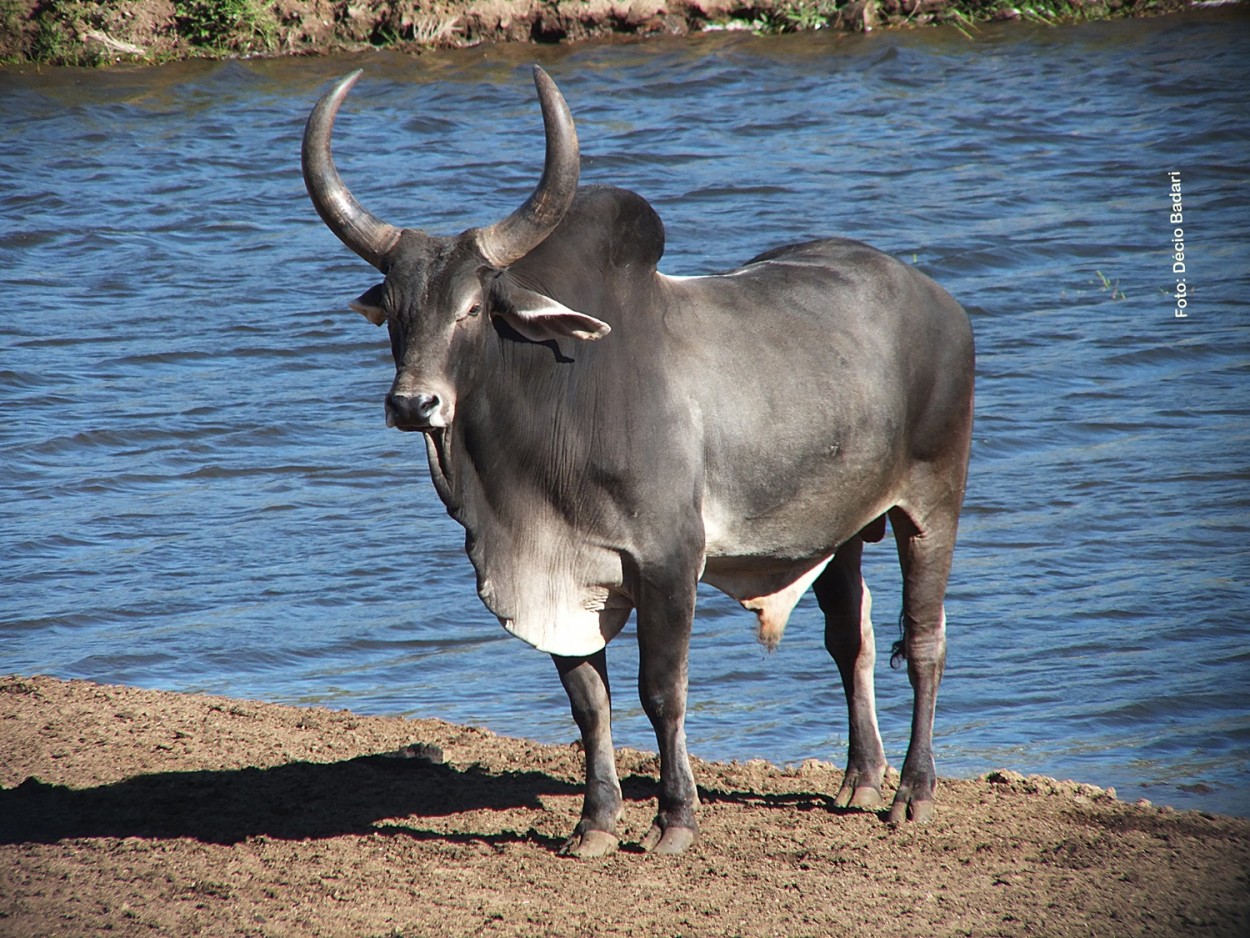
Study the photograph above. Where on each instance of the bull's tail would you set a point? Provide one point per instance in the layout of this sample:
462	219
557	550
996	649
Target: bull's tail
898	651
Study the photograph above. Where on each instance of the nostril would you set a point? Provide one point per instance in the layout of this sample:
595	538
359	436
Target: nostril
426	404
412	411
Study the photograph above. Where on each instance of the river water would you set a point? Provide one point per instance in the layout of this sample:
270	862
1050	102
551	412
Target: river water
198	492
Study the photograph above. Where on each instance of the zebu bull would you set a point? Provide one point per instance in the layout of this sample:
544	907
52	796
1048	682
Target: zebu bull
608	436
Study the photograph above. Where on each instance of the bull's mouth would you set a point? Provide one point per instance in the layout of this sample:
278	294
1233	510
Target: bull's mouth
413	427
410	427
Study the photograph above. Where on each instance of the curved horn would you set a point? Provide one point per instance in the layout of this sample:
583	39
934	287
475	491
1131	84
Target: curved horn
370	237
507	241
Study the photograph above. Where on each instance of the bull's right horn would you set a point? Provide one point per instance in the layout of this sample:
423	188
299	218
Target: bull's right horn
367	235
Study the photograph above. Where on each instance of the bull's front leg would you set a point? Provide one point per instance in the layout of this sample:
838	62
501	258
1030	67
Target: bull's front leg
665	614
586	682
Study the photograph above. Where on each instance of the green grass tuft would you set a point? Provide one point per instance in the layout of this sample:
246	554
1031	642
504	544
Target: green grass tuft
231	27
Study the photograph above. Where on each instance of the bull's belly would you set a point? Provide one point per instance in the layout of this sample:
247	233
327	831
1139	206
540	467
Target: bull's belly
771	590
564	593
768	562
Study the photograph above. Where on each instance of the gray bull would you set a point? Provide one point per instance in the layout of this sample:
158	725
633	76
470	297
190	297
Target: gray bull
608	436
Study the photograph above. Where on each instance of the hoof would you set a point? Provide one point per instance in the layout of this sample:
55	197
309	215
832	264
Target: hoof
590	844
861	788
865	797
918	812
669	842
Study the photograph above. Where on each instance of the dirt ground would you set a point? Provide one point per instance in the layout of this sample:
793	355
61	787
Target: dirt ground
138	812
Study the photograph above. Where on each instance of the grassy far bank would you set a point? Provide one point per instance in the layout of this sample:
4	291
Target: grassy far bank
102	32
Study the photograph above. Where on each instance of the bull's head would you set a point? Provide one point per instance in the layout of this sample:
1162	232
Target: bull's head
441	293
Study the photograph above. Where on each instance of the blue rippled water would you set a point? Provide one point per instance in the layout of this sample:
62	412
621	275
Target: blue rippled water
197	491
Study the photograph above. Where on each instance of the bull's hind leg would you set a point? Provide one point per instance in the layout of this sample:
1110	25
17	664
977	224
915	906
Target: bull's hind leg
847	605
586	682
925	550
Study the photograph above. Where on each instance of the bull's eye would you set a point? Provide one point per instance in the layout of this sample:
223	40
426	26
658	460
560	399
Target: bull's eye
474	309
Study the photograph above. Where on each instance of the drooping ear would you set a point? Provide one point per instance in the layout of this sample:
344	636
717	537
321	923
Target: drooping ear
540	318
369	305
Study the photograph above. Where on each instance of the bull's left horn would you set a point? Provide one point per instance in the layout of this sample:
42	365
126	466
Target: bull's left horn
507	241
367	235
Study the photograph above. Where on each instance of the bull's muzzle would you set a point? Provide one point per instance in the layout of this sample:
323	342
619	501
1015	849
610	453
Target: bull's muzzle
420	411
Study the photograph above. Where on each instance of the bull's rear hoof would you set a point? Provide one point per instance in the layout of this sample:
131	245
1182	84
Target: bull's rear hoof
904	809
669	841
590	844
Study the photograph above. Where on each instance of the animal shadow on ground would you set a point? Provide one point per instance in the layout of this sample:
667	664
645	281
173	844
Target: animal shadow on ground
290	802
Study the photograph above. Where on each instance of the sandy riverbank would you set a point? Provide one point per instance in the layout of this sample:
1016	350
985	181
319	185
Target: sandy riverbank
145	812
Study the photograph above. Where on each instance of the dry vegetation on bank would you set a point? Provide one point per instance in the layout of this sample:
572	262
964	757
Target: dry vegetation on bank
98	32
